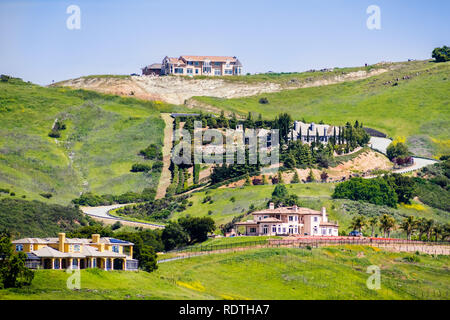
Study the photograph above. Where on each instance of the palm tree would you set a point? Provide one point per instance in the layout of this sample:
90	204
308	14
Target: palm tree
409	225
387	223
422	227
429	228
438	229
373	223
358	223
445	232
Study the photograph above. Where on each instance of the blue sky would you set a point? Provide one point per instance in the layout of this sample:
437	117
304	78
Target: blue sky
119	37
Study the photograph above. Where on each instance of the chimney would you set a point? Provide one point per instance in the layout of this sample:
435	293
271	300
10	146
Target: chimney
295	208
324	215
61	241
271	206
95	238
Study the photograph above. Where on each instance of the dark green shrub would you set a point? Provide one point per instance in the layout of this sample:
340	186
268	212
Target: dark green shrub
140	167
54	134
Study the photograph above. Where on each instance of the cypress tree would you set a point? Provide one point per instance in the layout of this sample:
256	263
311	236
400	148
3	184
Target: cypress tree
296	178
334	136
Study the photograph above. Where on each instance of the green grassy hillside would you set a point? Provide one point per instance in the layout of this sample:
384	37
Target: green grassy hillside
324	273
289	79
312	195
416	107
37	219
224	204
95	153
224	209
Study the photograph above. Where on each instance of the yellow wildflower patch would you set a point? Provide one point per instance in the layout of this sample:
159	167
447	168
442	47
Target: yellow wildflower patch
399	139
195	285
415	206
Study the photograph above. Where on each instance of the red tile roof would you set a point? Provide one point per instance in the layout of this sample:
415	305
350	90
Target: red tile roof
210	58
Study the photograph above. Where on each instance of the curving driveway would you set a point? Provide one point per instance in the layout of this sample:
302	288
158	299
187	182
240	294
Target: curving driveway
102	213
381	144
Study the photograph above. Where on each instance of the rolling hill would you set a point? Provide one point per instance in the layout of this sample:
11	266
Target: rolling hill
95	152
275	273
37	219
224	204
411	100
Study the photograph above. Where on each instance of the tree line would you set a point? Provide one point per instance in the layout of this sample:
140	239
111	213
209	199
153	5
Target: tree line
414	228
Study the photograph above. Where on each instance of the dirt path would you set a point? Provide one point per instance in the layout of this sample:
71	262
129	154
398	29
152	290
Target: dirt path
166	175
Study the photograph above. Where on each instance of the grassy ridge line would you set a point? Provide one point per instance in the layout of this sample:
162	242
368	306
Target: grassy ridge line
416	108
289	79
324	273
95	153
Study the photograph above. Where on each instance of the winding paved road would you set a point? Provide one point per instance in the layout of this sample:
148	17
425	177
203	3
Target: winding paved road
381	144
101	213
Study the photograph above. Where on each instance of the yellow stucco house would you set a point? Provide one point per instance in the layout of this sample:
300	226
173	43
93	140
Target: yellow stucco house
63	253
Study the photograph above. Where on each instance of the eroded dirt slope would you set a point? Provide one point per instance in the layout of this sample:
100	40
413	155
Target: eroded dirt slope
178	90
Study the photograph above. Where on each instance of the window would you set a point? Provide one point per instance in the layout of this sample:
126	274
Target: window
31	247
284	230
115	249
76	248
189	71
19	247
217	72
324	231
228	71
206	69
196	71
196	63
315	219
56	266
179	70
190	63
291	218
252	230
217	64
329	231
274	229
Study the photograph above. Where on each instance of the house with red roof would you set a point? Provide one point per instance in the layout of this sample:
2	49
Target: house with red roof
201	66
288	221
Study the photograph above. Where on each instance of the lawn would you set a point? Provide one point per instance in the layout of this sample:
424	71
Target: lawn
416	108
95	153
281	273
